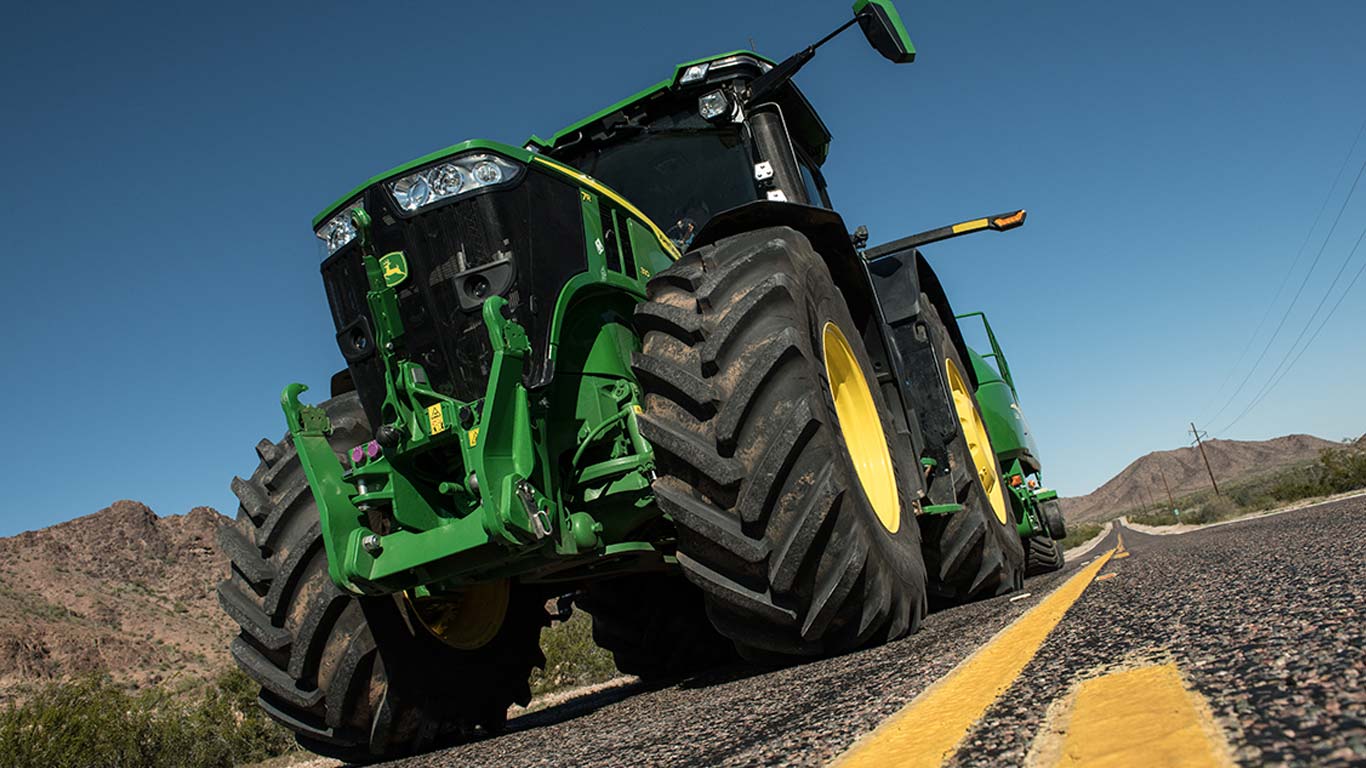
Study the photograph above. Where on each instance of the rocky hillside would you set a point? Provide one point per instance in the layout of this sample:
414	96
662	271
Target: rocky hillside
121	591
1231	460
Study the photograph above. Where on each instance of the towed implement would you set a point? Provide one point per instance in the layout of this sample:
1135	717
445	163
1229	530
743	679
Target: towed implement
642	366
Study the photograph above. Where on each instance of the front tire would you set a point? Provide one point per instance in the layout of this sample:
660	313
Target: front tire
355	678
799	553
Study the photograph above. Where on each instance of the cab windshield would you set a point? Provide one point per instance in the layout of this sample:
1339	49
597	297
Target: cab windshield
678	175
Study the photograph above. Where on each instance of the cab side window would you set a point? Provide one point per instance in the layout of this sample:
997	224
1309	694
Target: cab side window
813	181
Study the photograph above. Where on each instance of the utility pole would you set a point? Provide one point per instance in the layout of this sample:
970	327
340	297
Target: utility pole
1170	500
1198	442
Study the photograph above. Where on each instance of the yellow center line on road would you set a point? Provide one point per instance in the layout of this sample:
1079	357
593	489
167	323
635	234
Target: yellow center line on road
929	728
1143	716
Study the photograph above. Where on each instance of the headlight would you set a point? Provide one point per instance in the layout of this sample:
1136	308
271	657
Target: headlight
412	192
456	176
339	230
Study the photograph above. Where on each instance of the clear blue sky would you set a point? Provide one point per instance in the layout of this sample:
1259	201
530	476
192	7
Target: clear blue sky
162	167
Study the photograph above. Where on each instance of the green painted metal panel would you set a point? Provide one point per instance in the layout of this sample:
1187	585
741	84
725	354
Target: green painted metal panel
1006	424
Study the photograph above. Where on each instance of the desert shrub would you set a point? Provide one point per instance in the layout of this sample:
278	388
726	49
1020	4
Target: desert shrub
1195	511
1342	469
1159	517
92	723
1080	533
571	658
1213	510
1337	470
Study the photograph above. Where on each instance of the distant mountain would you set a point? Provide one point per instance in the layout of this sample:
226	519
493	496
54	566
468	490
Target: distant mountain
121	591
1231	460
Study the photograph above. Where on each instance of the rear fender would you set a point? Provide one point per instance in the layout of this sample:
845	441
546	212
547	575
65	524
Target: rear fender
822	226
878	298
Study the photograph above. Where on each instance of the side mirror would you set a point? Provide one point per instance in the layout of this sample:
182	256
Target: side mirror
882	26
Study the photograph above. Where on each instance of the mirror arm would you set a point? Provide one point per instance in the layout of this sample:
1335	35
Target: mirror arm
763	87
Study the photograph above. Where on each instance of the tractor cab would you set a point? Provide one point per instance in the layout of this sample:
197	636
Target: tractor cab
696	144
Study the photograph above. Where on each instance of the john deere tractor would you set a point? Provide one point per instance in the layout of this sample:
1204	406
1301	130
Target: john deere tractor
642	366
1037	509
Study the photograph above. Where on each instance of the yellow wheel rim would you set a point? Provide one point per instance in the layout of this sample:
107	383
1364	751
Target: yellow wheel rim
979	445
861	427
465	620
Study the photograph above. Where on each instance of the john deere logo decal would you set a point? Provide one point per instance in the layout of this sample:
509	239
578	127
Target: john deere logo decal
395	268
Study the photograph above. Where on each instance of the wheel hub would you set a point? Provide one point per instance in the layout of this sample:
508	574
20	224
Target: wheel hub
464	620
979	444
861	427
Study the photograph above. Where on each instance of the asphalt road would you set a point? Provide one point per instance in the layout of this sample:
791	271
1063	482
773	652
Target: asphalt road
1263	619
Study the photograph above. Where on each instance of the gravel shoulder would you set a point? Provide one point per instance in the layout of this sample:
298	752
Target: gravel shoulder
1168	530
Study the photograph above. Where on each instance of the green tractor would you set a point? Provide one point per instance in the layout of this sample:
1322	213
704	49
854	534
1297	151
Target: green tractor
642	367
1037	510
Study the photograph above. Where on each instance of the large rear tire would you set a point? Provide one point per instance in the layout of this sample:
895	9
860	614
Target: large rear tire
355	678
975	552
798	527
655	625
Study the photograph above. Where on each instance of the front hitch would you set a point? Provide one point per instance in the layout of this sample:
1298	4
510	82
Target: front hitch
430	535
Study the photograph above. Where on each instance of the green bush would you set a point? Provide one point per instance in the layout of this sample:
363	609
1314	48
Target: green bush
571	658
1081	533
1160	517
1213	510
92	723
1338	470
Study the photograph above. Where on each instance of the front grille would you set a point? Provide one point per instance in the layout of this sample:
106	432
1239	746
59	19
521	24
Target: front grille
523	243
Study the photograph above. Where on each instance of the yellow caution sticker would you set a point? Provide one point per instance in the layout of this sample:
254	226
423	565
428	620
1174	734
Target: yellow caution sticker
474	436
437	419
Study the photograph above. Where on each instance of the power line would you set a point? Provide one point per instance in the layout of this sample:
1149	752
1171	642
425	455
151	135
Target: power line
1272	379
1299	254
1272	384
1298	292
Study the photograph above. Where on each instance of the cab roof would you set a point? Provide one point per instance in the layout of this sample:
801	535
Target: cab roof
646	93
809	130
